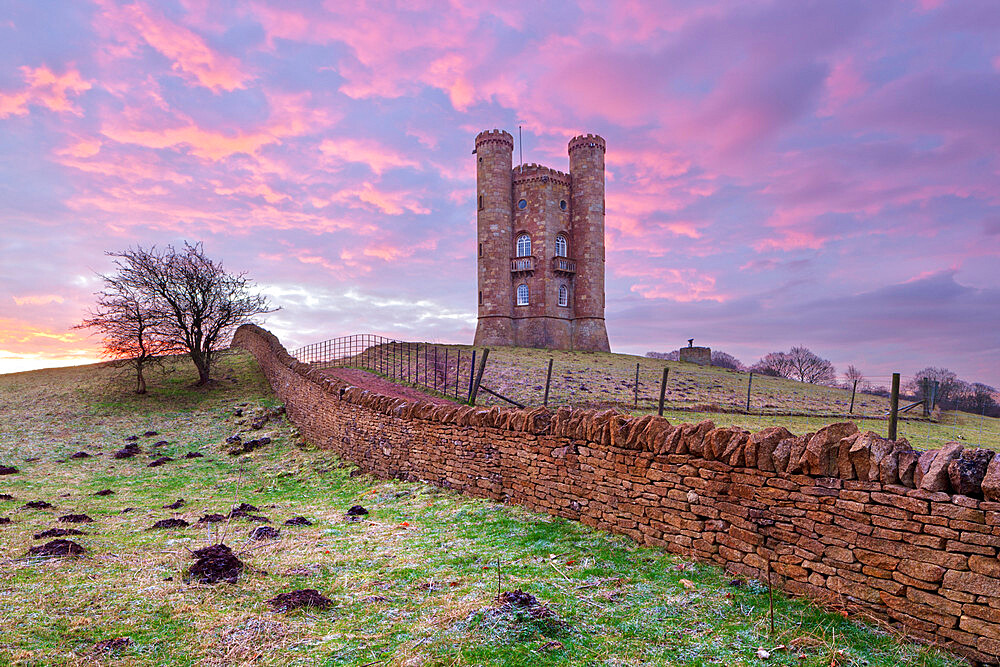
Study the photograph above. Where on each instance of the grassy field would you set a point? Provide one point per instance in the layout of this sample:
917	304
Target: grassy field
414	583
693	393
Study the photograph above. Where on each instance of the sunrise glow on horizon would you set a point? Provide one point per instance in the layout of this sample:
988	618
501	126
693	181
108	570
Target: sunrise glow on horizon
778	173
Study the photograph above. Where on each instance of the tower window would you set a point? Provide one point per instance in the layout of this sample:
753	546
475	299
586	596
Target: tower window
480	297
563	295
562	205
560	246
480	202
480	249
522	295
523	245
522	204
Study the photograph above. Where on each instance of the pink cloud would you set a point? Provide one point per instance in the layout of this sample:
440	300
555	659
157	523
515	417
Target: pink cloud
377	156
37	299
45	88
190	54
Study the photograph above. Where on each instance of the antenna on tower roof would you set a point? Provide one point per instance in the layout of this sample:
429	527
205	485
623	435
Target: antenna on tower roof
520	149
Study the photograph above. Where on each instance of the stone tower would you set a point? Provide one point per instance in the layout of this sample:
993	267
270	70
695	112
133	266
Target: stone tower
540	247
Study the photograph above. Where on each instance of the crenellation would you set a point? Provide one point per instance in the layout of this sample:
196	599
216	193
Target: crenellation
547	291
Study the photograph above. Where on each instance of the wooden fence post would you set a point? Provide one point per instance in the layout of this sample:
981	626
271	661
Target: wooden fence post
925	387
472	373
548	382
749	385
894	406
636	385
663	389
854	390
479	376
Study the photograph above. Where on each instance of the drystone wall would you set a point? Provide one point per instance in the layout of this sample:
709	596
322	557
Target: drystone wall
840	516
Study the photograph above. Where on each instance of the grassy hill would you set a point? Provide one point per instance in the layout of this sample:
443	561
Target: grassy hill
413	583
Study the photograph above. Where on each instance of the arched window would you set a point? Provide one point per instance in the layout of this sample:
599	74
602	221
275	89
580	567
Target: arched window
563	295
522	295
523	245
560	246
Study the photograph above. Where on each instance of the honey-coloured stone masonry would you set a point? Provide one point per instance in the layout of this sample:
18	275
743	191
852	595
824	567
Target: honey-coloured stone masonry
841	516
557	267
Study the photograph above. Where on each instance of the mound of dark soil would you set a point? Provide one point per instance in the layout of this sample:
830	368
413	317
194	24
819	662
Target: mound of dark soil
131	438
149	434
264	533
109	645
4	521
245	507
306	597
75	518
214	564
234	440
298	521
213	551
176	505
8	470
80	455
105	492
518	599
194	455
58	532
355	513
6	496
160	443
160	461
248	446
127	452
212	518
170	523
57	548
37	505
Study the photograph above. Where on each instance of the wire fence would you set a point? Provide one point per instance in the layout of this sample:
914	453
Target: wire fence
514	376
440	369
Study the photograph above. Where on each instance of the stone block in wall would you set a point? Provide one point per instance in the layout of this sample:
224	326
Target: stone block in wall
845	469
866	455
935	477
966	472
760	447
820	454
694	439
991	480
889	466
783	452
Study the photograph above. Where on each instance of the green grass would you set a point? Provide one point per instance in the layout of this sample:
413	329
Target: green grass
413	585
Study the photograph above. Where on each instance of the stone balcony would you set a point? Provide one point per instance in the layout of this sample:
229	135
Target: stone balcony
563	265
524	264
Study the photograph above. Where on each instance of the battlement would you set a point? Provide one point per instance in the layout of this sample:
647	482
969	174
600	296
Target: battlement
495	136
587	141
531	173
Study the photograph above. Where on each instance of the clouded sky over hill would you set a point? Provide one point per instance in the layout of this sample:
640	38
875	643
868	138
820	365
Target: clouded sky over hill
779	172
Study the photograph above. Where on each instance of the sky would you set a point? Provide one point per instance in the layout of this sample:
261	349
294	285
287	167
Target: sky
779	173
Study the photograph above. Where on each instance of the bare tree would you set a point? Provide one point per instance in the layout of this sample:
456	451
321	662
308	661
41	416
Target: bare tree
853	374
799	363
807	366
197	303
131	332
775	364
725	360
666	356
949	389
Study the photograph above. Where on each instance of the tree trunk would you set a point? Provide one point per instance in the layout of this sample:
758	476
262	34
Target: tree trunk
202	364
140	380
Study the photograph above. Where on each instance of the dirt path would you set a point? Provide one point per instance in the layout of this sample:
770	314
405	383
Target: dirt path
379	385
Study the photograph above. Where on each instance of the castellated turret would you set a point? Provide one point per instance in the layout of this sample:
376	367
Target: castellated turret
540	247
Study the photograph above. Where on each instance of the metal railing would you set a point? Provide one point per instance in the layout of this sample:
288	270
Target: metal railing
437	368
